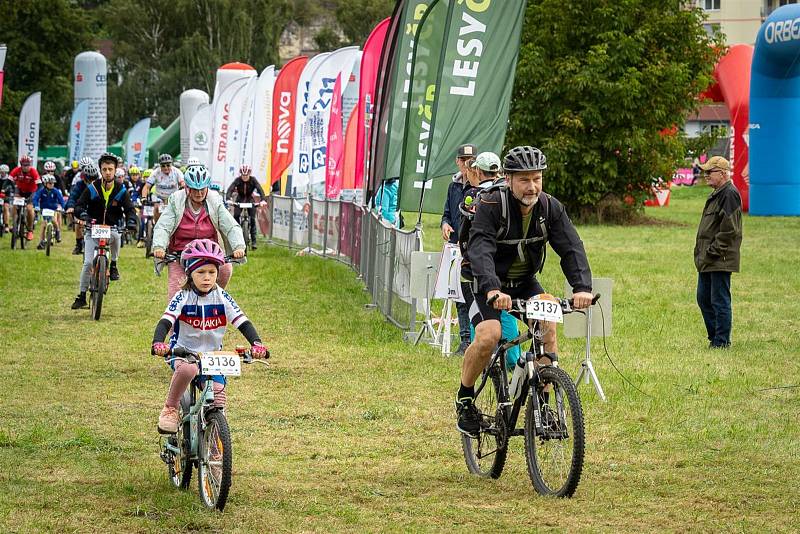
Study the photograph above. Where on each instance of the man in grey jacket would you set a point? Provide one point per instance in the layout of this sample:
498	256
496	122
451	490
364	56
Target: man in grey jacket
716	251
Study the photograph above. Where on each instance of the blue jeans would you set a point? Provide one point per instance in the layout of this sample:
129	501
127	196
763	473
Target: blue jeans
714	300
463	321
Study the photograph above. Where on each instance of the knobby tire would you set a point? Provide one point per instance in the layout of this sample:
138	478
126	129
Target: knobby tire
486	455
101	283
215	467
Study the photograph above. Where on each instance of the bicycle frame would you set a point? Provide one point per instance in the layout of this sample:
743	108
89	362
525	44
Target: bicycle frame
196	416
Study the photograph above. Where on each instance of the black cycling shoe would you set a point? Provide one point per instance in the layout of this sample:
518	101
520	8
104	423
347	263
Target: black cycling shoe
254	246
77	251
40	246
113	271
469	419
80	302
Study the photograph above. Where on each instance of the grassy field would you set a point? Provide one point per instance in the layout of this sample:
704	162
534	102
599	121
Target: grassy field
353	430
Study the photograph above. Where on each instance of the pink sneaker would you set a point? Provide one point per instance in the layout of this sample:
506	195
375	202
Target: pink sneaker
168	421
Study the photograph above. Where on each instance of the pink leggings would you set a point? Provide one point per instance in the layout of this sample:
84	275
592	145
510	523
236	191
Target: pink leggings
182	377
177	277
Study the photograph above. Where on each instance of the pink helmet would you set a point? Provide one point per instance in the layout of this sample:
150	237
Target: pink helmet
245	169
201	252
25	160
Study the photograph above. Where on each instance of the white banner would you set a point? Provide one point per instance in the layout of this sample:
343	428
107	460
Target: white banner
28	139
320	92
233	159
136	143
350	92
200	134
262	127
77	130
221	130
90	84
302	150
190	101
246	144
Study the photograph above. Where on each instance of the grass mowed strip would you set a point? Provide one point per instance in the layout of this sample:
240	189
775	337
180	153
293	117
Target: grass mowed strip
352	429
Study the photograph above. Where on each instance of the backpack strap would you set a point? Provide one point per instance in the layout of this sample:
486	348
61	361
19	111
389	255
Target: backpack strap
93	194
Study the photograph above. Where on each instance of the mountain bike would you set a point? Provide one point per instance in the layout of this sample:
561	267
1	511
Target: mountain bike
99	274
553	423
3	221
203	439
148	215
245	221
20	229
49	230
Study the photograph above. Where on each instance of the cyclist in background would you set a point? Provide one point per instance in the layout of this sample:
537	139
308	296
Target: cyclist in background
6	193
246	188
167	179
49	198
89	173
50	168
70	172
108	203
27	181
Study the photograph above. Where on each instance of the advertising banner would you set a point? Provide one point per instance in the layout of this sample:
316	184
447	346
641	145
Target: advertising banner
190	101
90	84
302	151
320	93
136	144
262	127
77	131
3	50
28	138
246	121
335	147
284	99
233	156
200	134
221	127
370	62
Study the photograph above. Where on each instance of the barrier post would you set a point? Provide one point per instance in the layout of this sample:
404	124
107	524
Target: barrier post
310	222
325	229
291	222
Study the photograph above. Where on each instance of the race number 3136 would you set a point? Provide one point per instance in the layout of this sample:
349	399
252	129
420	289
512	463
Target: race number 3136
221	363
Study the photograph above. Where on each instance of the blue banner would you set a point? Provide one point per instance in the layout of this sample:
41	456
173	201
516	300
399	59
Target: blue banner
136	144
77	130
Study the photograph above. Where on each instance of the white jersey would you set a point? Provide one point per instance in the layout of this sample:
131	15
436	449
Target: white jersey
199	322
166	183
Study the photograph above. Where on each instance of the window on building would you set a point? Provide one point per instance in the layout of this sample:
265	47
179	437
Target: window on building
711	28
711	5
786	2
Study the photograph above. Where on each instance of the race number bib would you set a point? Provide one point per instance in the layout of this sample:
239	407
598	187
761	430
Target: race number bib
220	363
2	201
19	201
544	309
48	213
100	231
245	205
148	211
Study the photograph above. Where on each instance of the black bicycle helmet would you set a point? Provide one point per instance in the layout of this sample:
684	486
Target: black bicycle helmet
163	159
107	157
524	158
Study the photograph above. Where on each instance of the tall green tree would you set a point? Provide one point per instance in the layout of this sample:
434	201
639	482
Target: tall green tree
43	38
352	21
602	86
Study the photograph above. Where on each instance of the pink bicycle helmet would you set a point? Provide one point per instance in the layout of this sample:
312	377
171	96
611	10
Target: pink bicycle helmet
245	169
201	252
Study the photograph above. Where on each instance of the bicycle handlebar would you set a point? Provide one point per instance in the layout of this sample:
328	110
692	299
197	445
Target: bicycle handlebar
188	356
518	305
158	264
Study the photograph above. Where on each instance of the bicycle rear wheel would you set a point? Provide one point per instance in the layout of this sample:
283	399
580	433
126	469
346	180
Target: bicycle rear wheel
180	466
48	236
215	465
555	455
14	235
100	285
486	454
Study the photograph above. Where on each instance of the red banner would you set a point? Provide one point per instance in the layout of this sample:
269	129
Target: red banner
283	104
335	145
350	149
370	63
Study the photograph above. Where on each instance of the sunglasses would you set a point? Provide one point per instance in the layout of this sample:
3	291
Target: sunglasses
166	165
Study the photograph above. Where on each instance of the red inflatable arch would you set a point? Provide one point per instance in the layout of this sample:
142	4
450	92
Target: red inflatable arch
732	86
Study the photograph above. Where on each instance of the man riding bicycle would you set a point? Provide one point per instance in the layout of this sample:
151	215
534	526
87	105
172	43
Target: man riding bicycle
167	179
505	250
88	173
246	187
27	181
106	202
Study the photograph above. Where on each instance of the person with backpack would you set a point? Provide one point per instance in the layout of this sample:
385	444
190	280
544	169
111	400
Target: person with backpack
505	249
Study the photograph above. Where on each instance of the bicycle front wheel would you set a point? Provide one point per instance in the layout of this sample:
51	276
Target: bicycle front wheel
215	461
101	282
48	236
555	454
486	454
246	229
148	239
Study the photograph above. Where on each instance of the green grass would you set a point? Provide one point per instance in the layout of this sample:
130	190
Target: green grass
353	430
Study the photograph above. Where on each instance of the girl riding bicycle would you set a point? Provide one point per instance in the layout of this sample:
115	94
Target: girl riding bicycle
199	314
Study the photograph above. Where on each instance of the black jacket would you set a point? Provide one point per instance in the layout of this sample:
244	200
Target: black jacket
92	205
719	236
488	262
455	196
244	190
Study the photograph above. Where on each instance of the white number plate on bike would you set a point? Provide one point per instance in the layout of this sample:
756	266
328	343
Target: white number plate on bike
19	201
100	231
148	211
48	213
220	363
544	310
245	205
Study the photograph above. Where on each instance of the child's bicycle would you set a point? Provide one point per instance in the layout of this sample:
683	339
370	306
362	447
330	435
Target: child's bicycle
148	218
553	426
203	439
49	230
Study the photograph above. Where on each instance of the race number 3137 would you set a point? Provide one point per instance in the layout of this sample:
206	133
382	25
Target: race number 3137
544	310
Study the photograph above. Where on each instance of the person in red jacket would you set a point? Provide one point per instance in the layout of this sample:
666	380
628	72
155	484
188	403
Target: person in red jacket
27	182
